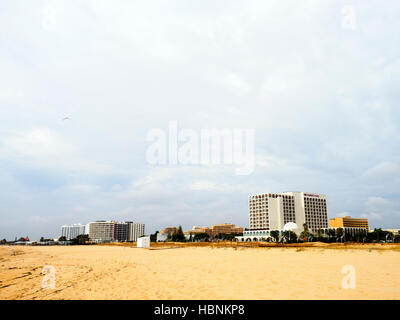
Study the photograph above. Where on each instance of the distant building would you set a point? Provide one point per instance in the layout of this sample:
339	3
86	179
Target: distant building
121	231
136	230
205	230
102	230
394	231
272	211
347	230
348	222
72	231
196	229
170	230
115	231
161	237
87	228
225	228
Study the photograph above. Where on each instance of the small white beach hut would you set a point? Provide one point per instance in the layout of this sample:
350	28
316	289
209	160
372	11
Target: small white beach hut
143	242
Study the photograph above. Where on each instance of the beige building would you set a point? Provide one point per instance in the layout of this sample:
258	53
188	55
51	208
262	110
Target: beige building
348	222
216	229
102	230
225	228
196	229
112	230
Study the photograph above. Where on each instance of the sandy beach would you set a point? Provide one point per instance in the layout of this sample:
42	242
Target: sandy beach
126	272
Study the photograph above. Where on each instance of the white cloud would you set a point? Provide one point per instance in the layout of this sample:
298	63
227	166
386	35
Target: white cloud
373	216
80	209
383	170
39	144
204	185
379	209
377	202
45	148
343	214
235	83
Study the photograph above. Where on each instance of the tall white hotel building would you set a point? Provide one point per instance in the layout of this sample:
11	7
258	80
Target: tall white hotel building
271	211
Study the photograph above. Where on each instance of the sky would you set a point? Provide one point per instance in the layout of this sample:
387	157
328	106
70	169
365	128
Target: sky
317	81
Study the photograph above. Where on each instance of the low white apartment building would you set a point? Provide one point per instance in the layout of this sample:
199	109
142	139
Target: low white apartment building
271	211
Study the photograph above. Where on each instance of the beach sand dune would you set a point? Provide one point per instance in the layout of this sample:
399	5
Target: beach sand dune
123	272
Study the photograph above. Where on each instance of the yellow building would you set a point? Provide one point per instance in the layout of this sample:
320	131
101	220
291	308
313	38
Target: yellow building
195	230
225	228
348	222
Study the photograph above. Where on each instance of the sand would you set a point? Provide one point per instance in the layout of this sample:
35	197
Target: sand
117	272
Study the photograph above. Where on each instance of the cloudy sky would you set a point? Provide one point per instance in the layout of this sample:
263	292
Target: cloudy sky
318	81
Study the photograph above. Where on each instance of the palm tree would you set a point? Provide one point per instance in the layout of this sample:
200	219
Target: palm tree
290	236
331	233
339	232
358	236
305	234
275	234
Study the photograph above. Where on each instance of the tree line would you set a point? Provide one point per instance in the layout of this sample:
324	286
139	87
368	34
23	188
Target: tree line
335	235
179	236
327	236
80	239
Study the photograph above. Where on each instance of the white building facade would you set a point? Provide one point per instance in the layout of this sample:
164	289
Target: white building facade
271	211
72	231
161	237
136	230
